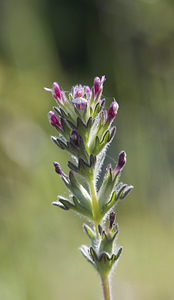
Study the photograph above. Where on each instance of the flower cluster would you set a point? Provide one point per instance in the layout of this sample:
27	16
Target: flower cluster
85	130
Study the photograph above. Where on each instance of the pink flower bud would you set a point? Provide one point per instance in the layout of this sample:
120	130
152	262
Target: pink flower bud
113	110
121	162
98	85
56	91
54	120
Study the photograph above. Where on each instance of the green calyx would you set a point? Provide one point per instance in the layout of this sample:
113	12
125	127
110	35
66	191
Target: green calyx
101	254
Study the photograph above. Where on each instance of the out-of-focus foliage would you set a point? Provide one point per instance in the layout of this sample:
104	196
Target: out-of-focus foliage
131	42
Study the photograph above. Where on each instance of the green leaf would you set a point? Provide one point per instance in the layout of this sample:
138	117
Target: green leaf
99	163
120	190
77	207
56	141
110	204
78	191
82	209
96	110
71	124
73	167
59	204
84	128
61	112
83	168
126	191
66	128
105	138
93	254
86	253
59	143
118	253
99	145
91	234
64	203
114	231
112	133
78	151
106	244
100	229
106	189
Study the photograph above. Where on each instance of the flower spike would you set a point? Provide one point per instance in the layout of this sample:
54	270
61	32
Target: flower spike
84	130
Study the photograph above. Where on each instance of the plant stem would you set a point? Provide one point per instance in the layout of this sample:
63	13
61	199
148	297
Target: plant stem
96	212
106	288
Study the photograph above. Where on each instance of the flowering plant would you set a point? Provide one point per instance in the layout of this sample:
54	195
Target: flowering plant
85	130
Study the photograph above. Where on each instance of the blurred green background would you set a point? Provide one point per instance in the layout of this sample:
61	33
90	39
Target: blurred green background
72	41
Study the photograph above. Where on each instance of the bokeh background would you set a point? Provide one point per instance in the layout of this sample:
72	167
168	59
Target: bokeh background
72	41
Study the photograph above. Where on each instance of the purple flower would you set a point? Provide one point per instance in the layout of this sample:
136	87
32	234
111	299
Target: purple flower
79	93
112	111
74	137
54	120
80	96
87	91
121	162
58	169
56	92
98	85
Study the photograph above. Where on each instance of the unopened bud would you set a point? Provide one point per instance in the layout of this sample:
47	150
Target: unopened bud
54	120
56	91
57	167
113	110
112	219
74	137
121	162
98	85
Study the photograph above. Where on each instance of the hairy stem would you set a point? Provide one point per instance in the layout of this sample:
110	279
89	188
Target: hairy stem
96	212
106	288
